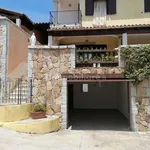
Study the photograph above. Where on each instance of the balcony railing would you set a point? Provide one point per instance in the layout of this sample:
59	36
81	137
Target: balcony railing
96	58
68	17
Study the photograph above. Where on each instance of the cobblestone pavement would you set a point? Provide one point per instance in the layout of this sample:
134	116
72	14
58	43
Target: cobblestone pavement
75	140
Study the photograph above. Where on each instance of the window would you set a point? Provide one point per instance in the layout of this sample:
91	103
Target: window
99	12
89	7
85	88
147	5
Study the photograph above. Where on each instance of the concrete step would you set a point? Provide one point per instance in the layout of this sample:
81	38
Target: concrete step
34	126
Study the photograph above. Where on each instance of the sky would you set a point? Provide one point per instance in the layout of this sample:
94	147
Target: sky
36	10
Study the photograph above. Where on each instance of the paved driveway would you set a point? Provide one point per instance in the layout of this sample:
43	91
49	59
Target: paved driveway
75	140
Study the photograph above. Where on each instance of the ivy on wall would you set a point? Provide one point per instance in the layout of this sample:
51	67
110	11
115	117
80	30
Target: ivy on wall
137	62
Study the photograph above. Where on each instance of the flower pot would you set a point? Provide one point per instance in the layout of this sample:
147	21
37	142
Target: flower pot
38	115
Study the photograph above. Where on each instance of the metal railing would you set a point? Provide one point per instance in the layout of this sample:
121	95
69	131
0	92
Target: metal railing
68	17
16	91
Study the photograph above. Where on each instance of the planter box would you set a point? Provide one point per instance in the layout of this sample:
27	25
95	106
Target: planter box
38	115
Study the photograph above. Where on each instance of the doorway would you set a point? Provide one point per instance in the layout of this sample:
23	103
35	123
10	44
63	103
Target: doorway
100	106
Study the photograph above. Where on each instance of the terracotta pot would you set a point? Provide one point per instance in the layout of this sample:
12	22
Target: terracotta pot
38	115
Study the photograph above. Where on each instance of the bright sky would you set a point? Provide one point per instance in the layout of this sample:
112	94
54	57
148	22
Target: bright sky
36	10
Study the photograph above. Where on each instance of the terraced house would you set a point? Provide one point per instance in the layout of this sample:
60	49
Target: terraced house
80	73
90	90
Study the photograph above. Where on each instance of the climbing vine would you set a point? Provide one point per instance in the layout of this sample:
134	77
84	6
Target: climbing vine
137	62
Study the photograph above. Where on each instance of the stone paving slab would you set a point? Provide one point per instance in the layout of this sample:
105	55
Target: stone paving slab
75	140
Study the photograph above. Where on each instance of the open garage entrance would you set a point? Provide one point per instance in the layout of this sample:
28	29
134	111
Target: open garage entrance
98	106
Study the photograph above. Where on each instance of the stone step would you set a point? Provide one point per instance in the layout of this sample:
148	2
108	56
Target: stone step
16	98
34	126
13	94
16	89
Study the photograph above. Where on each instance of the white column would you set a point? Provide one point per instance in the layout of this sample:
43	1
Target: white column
50	40
18	22
72	56
124	39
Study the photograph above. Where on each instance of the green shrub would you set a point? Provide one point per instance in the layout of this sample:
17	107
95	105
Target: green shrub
137	62
39	108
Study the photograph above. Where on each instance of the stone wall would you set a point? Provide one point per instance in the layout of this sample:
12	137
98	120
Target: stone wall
143	105
3	52
48	66
3	56
51	67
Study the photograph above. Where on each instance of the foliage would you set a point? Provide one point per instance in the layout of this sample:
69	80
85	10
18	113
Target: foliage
137	62
39	108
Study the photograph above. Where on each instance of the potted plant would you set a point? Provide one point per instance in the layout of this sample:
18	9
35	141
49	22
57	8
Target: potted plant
116	58
38	111
112	58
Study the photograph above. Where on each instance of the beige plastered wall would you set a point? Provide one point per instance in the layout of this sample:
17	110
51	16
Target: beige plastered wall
18	50
128	12
110	41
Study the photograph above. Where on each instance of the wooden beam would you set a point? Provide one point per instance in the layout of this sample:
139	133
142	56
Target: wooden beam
91	81
93	76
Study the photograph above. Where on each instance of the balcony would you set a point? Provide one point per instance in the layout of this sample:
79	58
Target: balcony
65	18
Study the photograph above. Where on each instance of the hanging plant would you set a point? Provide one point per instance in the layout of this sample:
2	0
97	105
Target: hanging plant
137	62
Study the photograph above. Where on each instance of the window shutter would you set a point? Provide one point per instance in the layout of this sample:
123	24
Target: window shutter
89	7
111	7
147	5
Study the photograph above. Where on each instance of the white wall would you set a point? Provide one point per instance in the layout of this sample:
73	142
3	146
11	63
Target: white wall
103	96
68	12
123	102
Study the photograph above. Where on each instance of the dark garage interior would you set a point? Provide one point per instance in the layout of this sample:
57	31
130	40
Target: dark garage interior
98	106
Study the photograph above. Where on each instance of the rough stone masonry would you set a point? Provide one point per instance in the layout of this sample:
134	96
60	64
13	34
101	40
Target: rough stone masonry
3	56
50	68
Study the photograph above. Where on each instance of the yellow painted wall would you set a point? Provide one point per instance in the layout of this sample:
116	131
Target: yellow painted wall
15	112
110	41
128	12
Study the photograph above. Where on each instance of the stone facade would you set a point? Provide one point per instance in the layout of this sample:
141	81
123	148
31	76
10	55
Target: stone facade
143	105
51	67
48	65
3	55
